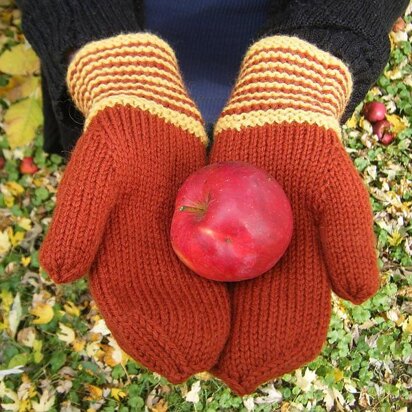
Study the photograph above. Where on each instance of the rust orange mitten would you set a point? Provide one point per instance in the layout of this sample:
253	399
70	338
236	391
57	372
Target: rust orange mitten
143	137
283	116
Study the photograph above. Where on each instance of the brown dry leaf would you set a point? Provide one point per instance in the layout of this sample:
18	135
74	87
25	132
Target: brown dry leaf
27	336
22	120
161	406
21	60
95	393
26	87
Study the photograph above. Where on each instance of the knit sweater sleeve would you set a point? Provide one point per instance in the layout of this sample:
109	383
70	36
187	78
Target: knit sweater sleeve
354	31
56	27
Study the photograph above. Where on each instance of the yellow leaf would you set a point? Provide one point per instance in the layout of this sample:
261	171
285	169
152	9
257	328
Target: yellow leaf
6	300
204	376
44	313
111	356
78	345
25	260
25	405
94	392
395	239
338	375
9	201
5	244
19	61
117	394
352	122
14	188
37	355
21	121
407	326
66	334
13	83
15	238
71	309
397	123
24	223
161	406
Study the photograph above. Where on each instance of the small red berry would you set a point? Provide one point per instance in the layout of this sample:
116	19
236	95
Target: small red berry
380	128
374	111
399	25
387	139
27	166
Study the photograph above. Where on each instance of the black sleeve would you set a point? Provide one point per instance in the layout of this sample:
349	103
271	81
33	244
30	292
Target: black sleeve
56	27
356	31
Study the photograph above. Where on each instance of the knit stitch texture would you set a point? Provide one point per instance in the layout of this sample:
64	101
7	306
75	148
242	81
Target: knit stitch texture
143	138
283	116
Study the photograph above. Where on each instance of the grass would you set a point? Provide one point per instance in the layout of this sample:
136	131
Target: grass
56	353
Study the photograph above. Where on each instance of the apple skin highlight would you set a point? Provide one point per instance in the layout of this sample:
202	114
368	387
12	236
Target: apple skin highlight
232	222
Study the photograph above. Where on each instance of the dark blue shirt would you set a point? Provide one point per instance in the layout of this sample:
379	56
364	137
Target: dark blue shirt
209	38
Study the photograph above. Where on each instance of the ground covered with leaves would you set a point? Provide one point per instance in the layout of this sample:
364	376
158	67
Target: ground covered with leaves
56	353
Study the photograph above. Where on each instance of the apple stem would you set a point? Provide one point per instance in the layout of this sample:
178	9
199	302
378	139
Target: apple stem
191	209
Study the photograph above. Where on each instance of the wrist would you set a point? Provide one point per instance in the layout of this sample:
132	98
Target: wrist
286	79
139	70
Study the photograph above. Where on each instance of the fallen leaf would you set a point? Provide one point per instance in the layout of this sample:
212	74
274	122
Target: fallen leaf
27	87
15	238
193	395
14	188
21	60
397	123
305	382
161	406
27	336
5	244
66	334
45	403
44	313
71	309
117	394
95	393
15	316
21	121
407	325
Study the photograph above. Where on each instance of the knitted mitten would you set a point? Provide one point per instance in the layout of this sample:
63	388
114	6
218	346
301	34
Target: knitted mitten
283	116
143	137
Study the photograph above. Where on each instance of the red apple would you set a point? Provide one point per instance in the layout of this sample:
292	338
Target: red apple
2	162
27	166
232	222
381	127
374	111
387	139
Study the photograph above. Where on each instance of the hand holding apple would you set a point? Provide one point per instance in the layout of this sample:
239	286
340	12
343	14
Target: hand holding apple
232	222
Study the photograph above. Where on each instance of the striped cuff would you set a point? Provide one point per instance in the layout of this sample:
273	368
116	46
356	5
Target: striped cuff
285	79
139	70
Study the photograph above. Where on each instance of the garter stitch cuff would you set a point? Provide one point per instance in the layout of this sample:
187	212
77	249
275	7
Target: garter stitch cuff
146	76
285	79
